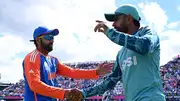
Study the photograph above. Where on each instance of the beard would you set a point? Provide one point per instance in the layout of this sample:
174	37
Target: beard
122	29
47	47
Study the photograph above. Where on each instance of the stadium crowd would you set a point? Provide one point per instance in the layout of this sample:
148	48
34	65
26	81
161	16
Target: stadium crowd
170	74
171	77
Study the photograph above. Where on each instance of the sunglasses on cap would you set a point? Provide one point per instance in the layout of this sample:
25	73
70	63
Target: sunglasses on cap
47	37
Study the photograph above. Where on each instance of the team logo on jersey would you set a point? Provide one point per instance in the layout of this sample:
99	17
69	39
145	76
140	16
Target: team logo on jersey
31	71
51	76
129	62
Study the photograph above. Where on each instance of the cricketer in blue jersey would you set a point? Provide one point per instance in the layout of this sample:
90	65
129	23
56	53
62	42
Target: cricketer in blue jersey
40	70
137	63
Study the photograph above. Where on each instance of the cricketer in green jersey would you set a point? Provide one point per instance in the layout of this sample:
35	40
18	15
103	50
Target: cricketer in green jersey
137	63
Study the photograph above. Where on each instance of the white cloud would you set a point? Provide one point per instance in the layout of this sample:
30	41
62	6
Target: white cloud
154	15
178	8
10	62
170	47
69	16
11	72
10	46
157	19
72	18
173	25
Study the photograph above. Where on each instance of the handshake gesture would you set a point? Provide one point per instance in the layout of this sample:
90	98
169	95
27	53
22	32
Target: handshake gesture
76	94
73	95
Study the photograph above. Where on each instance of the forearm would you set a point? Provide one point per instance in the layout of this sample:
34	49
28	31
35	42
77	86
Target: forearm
68	71
77	73
84	74
107	84
132	42
46	90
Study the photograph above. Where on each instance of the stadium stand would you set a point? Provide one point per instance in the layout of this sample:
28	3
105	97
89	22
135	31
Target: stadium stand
170	73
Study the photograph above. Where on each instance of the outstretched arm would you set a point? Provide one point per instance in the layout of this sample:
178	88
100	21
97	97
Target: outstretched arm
141	44
146	42
107	84
84	73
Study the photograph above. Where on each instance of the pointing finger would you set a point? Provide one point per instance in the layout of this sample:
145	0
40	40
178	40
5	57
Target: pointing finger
97	27
98	21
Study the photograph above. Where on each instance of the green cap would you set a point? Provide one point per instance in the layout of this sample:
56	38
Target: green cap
126	9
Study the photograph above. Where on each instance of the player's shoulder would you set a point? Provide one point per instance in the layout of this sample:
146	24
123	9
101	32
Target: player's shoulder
147	30
32	56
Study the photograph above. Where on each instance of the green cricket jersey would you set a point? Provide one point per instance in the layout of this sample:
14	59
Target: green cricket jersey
137	65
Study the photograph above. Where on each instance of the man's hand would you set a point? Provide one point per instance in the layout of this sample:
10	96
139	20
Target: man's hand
73	95
104	68
101	27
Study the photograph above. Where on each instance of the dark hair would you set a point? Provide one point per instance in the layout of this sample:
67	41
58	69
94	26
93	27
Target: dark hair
136	23
35	43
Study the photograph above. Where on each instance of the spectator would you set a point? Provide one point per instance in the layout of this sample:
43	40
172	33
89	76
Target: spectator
170	73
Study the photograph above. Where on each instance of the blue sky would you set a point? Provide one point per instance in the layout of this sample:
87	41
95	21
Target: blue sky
76	20
169	6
